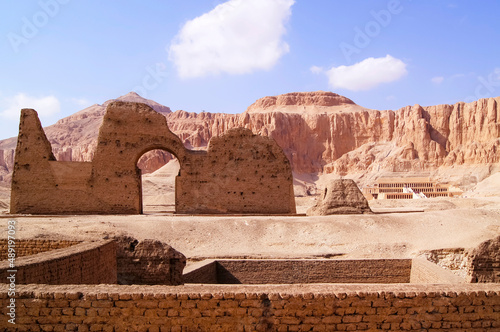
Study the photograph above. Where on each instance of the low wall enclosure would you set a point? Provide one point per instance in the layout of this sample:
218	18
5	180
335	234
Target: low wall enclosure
470	307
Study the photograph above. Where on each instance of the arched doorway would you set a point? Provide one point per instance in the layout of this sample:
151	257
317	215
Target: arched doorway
158	171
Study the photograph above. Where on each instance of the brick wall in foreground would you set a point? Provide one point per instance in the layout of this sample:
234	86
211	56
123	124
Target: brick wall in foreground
322	307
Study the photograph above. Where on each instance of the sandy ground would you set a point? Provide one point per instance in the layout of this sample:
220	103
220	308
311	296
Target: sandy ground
444	223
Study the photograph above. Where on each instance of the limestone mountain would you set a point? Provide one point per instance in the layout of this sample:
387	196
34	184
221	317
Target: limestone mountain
320	132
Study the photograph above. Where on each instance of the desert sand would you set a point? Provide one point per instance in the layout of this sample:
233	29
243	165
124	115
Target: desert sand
392	231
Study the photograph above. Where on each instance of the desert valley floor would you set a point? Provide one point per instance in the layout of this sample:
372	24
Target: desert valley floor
398	228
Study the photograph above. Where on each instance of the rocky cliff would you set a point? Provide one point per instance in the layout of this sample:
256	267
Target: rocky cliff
320	132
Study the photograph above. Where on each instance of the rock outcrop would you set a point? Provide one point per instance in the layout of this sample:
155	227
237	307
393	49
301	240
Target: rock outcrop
340	197
320	132
297	102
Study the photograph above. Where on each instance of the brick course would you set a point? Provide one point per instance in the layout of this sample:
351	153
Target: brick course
286	271
323	307
83	263
33	246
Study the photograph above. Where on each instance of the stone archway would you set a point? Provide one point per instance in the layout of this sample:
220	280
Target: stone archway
128	131
159	170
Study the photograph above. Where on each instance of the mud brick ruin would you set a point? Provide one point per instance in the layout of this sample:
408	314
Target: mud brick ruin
239	173
130	284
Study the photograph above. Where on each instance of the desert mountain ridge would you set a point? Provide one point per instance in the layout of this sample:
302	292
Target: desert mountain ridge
305	103
320	132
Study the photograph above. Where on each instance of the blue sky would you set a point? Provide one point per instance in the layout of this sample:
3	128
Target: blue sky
59	56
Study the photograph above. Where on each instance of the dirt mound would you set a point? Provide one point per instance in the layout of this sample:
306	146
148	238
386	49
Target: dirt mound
340	197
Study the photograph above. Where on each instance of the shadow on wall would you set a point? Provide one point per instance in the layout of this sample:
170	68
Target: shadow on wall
306	271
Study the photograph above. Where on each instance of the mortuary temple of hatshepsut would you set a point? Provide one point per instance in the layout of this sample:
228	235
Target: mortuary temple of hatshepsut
408	188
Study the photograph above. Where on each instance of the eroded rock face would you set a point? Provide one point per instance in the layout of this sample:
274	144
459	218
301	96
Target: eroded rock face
340	197
317	98
148	262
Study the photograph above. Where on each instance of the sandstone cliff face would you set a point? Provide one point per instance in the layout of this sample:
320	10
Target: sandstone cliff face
318	131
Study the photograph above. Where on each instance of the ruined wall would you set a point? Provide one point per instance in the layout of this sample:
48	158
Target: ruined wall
33	246
480	264
240	173
148	262
281	271
84	263
261	308
484	262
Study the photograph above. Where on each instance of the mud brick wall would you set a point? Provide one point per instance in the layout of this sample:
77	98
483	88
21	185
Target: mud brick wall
31	247
239	173
480	264
84	263
148	262
280	271
484	264
257	308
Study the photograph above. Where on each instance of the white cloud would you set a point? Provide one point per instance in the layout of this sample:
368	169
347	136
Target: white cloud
367	74
316	70
10	107
437	79
236	37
